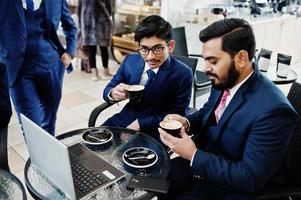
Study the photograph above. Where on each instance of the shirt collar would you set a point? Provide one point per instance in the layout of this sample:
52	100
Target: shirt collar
234	89
146	67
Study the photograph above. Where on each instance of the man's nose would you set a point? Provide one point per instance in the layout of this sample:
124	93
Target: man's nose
150	55
207	67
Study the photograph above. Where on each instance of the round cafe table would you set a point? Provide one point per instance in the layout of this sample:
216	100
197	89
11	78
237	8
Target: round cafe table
11	187
123	139
271	74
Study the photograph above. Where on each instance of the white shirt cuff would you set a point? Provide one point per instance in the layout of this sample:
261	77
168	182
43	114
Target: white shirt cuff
111	100
191	162
188	128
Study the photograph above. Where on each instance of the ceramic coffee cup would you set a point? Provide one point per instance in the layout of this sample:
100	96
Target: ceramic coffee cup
172	127
135	93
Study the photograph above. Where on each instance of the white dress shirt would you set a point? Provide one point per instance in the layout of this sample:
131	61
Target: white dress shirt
36	3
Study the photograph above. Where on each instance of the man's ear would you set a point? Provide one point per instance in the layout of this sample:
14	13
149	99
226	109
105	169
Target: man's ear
241	58
171	46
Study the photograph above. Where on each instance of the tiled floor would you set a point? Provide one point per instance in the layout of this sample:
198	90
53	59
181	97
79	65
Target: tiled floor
80	96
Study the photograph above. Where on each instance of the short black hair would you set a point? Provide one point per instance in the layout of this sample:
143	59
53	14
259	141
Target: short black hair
153	25
237	34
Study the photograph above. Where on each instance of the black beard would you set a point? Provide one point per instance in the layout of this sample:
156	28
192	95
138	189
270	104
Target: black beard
233	75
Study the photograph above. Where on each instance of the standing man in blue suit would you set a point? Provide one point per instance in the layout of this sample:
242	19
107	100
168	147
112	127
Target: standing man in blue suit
241	134
34	56
169	81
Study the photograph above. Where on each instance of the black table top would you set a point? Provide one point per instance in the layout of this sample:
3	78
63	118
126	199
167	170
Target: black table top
11	187
123	139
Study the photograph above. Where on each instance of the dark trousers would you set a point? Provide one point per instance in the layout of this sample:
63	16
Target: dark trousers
184	185
37	93
92	50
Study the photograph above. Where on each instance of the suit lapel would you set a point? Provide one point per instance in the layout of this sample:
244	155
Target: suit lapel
234	104
20	10
230	109
137	71
159	78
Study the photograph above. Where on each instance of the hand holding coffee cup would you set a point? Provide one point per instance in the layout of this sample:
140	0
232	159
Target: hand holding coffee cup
171	126
135	93
119	93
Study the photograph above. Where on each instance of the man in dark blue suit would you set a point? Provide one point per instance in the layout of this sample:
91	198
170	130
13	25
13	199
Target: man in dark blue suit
5	107
167	81
242	132
34	56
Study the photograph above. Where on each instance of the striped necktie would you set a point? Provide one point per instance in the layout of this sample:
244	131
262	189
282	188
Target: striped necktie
30	5
151	75
222	105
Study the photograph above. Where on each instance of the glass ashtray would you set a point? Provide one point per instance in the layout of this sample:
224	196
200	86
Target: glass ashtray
139	157
97	136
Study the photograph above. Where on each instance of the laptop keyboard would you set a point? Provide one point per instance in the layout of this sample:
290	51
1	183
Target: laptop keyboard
84	179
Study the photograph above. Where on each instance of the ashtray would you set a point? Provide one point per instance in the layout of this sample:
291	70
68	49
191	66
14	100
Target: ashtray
97	136
139	158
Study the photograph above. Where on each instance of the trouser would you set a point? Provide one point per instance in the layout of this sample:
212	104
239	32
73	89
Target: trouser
184	184
37	93
92	49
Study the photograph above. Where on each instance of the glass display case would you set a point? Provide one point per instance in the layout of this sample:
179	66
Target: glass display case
126	15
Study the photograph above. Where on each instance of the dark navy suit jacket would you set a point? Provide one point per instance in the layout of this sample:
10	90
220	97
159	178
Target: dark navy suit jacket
5	107
13	32
169	92
247	145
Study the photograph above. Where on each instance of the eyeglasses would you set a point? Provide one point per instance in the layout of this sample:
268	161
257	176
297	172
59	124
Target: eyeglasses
157	50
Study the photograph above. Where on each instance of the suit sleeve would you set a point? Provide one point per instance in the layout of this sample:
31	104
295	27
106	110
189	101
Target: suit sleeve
178	105
267	141
197	119
5	107
119	77
69	29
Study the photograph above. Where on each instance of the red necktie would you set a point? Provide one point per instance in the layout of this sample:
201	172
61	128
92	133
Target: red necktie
222	104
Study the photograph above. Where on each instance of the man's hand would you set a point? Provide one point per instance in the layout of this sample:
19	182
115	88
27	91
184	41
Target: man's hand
119	93
134	125
184	146
66	59
179	118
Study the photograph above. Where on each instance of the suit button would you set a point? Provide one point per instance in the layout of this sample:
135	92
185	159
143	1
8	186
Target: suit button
23	38
198	177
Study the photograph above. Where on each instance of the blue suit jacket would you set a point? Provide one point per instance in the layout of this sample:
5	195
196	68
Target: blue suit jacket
13	32
248	144
169	92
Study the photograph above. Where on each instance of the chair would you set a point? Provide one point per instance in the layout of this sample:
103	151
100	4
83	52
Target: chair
120	47
202	84
263	60
3	149
292	188
191	62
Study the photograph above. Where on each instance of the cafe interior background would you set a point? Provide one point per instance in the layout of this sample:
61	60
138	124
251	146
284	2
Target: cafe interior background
277	27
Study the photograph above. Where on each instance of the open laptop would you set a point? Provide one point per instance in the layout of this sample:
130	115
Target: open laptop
66	166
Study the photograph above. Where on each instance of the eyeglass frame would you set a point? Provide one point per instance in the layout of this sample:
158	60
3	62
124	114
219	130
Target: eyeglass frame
152	49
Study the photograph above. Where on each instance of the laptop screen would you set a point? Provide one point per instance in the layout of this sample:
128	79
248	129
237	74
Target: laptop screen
53	159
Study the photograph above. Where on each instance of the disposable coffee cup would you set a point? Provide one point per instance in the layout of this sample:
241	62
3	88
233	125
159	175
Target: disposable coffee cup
135	93
172	127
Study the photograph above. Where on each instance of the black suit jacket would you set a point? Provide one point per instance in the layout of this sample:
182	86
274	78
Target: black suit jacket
5	107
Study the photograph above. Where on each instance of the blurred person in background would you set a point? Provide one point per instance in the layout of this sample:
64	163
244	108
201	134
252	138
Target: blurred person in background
96	28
